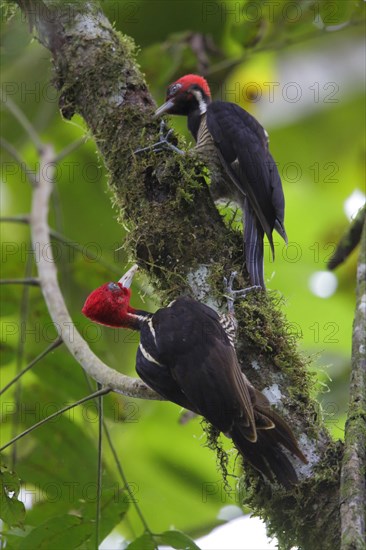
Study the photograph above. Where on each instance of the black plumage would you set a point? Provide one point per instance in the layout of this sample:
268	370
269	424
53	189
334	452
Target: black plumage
187	357
254	181
235	147
186	354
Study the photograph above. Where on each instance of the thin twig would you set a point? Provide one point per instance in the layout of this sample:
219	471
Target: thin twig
23	121
126	485
28	281
231	63
25	218
353	487
80	248
22	218
103	391
99	468
18	159
50	348
24	308
125	481
70	148
75	62
47	273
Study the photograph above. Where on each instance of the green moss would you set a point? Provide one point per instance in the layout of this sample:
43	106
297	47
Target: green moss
174	228
214	443
296	518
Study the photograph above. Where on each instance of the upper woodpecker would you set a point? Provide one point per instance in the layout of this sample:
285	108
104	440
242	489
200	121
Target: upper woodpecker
186	354
235	147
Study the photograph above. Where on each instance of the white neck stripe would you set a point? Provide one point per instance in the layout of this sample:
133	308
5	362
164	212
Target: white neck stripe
138	317
201	103
148	357
152	330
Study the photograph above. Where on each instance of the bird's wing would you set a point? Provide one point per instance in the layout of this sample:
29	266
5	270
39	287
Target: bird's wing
190	339
242	145
154	372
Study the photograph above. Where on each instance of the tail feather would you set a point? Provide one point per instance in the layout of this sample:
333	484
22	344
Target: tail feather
280	228
266	456
273	433
253	239
282	432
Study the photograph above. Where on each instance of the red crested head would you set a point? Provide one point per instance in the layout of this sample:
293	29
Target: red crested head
110	303
187	82
188	93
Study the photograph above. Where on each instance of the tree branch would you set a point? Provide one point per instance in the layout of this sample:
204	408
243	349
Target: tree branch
180	239
23	121
349	241
353	486
31	281
18	159
46	266
57	342
102	391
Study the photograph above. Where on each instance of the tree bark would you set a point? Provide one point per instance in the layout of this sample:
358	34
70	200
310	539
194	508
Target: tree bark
179	238
353	483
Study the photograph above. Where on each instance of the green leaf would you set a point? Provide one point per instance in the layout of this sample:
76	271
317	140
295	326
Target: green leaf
7	353
114	505
11	482
177	540
12	509
145	542
248	33
59	532
173	538
13	537
67	531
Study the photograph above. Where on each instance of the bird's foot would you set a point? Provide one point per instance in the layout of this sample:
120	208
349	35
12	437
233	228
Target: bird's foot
163	142
231	294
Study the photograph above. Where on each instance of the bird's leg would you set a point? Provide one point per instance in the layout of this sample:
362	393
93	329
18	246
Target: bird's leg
163	142
228	321
231	294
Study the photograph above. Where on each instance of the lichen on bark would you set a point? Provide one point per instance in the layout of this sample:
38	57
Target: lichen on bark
175	231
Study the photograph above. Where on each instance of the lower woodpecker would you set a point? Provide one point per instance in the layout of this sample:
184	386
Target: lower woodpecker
186	354
234	146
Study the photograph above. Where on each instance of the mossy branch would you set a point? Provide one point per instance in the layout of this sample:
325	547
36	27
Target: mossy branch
178	237
349	240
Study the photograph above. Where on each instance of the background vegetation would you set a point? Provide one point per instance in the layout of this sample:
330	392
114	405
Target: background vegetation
297	67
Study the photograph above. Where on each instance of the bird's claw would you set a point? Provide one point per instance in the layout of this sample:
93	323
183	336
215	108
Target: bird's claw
163	142
231	294
161	131
229	283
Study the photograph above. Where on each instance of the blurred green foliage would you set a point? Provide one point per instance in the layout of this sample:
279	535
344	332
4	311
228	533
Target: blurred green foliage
318	143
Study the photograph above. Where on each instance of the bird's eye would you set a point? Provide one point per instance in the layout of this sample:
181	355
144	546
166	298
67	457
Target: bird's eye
113	287
173	89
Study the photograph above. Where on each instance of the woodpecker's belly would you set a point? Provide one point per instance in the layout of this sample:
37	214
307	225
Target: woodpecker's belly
229	324
222	186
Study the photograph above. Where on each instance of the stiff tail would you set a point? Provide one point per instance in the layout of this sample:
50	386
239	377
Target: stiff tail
253	240
273	433
266	456
280	228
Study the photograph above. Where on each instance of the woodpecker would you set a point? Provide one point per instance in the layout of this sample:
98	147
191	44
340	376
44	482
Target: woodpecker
186	354
235	147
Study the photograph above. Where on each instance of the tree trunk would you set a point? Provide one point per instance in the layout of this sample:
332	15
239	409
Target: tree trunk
179	238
